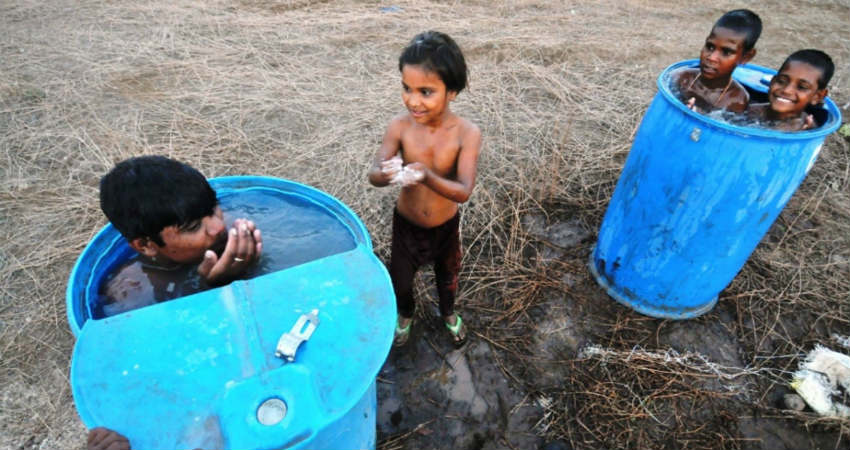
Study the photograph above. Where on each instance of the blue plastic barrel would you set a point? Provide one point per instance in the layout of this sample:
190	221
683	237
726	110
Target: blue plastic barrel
200	371
694	199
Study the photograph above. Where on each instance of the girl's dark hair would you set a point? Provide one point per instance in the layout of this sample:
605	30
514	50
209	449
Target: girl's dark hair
142	196
437	52
742	21
816	59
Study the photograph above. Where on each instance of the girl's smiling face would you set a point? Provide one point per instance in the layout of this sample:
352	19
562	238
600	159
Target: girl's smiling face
424	94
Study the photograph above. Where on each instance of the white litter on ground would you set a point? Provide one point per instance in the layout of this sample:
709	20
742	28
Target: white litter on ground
843	341
824	382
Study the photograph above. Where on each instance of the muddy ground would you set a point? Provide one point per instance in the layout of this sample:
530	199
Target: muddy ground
433	396
303	89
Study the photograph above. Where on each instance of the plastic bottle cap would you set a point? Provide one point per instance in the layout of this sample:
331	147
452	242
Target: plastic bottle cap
271	411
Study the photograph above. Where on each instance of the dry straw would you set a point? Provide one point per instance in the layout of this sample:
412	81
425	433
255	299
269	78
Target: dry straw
303	90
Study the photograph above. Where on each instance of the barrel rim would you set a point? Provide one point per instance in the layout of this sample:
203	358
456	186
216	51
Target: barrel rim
832	124
361	234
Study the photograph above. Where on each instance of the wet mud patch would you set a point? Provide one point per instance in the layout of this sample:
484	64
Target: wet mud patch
774	432
554	237
709	338
431	395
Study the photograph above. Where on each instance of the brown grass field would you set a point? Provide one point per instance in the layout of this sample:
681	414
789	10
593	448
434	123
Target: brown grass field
303	89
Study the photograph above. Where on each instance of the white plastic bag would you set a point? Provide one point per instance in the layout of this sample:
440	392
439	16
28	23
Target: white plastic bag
824	382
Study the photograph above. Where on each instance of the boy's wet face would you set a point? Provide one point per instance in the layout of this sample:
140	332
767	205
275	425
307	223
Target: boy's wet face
188	243
424	94
794	88
722	52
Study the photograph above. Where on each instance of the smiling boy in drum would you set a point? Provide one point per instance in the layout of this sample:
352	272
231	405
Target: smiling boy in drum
801	83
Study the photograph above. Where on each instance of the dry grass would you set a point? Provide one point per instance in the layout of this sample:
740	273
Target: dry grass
303	89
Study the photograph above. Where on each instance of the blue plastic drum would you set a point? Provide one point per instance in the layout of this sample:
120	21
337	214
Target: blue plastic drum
694	199
201	371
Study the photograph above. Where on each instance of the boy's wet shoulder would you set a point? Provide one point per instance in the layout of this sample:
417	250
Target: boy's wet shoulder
684	75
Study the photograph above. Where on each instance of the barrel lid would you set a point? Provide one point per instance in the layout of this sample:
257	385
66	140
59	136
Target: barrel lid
194	372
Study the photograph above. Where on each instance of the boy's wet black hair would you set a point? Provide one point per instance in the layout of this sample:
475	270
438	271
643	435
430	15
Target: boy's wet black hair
742	21
817	59
141	196
437	52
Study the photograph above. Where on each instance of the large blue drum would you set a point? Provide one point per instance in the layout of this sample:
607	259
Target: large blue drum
201	371
694	199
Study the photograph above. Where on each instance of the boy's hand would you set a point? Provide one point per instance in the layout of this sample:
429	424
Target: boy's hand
411	174
692	105
385	172
391	167
105	439
244	245
808	122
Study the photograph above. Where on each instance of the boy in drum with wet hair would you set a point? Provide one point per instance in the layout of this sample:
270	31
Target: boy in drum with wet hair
169	214
731	42
801	83
433	154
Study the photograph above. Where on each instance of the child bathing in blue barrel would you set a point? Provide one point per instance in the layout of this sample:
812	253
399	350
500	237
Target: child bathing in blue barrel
801	83
731	42
169	214
433	154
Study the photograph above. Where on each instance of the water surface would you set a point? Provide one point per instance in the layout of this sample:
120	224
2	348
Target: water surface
295	231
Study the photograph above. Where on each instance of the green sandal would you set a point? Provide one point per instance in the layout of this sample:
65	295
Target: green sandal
401	334
456	331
